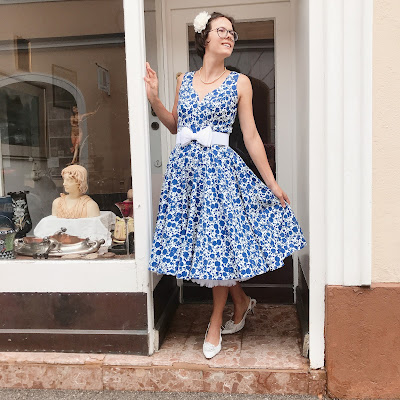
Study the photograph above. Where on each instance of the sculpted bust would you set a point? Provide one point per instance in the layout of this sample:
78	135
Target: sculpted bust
75	204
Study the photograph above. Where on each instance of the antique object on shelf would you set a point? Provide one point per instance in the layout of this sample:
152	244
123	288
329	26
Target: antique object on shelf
7	235
95	228
58	245
75	204
7	209
21	217
86	246
124	208
35	247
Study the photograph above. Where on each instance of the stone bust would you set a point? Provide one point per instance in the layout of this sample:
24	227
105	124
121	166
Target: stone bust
75	204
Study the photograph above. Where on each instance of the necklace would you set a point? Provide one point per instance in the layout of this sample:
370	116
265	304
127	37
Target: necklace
209	83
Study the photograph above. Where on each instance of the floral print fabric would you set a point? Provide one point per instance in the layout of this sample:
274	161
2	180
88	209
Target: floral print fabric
218	108
217	222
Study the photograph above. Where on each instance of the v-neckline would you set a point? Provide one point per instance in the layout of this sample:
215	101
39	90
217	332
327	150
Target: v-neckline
198	97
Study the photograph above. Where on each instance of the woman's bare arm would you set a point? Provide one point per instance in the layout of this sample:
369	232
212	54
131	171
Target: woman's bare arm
169	119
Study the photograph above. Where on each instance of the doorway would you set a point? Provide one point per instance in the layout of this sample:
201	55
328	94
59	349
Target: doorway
265	51
253	56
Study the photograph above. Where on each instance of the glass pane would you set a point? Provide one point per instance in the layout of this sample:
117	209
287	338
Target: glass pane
253	56
63	102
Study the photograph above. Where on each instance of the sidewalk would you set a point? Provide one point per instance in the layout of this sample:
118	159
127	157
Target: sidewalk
34	394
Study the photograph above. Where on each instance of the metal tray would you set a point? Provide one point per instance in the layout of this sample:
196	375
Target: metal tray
84	247
57	245
39	248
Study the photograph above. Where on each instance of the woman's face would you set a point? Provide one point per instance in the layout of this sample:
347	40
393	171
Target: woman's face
216	44
70	184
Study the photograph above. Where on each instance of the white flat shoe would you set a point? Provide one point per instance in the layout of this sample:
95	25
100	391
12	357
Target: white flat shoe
231	327
209	350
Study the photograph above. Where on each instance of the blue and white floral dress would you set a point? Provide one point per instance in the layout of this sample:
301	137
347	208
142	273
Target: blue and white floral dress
217	222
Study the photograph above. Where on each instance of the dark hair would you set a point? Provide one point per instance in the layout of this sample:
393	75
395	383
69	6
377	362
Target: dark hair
200	38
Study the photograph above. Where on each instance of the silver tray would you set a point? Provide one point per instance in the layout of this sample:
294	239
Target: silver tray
57	245
35	248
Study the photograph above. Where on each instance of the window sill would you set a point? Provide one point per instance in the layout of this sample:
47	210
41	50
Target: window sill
99	275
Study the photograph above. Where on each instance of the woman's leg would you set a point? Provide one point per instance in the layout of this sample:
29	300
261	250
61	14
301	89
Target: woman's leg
220	295
240	302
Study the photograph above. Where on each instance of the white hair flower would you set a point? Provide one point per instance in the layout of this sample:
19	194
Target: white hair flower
200	22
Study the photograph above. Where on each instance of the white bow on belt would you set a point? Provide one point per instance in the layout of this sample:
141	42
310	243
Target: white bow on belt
204	136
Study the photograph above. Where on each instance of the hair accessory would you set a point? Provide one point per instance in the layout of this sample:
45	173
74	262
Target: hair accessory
201	20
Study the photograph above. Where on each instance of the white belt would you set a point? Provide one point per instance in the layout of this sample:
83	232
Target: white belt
206	137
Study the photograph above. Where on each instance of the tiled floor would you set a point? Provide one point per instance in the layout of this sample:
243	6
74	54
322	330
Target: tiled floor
270	339
263	358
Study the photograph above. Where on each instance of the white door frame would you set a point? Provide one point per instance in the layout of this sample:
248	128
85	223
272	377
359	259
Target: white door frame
340	147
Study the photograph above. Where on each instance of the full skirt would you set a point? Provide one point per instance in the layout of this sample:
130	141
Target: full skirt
217	222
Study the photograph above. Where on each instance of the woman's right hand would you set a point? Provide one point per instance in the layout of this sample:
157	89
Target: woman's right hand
151	83
280	194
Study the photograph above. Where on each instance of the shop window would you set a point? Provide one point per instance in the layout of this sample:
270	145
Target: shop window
63	103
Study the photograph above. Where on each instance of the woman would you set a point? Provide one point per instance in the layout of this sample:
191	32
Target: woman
218	224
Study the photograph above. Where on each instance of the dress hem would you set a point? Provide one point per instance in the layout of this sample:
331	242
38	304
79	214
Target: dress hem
210	283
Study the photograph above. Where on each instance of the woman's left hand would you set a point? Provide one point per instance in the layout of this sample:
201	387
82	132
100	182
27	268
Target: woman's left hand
280	194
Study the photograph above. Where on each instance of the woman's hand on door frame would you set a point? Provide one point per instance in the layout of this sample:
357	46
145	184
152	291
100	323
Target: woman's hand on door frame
151	83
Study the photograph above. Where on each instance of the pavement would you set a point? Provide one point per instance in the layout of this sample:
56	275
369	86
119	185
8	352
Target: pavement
40	394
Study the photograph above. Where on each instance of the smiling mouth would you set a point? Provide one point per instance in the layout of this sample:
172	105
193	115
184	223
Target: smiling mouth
226	45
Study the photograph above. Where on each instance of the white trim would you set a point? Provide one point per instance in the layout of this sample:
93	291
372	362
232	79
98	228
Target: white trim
340	153
317	196
70	276
167	140
135	48
365	172
357	136
347	47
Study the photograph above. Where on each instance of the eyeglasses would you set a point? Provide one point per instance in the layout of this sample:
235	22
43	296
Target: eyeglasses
223	33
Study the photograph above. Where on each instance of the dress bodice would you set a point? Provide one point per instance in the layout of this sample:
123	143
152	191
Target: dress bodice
218	108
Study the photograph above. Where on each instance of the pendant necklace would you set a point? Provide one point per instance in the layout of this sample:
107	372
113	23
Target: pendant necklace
209	83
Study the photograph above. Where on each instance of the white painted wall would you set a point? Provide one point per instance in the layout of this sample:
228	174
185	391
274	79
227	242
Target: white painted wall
340	110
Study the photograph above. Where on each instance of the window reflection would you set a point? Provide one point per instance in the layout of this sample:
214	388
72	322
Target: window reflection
63	101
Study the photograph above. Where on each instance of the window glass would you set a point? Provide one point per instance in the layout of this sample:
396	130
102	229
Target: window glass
63	102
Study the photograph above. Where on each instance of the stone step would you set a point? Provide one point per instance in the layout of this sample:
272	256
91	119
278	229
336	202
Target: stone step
265	357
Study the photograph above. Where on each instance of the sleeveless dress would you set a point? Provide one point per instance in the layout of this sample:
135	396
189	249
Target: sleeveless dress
217	222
